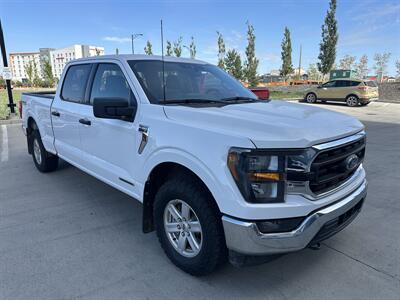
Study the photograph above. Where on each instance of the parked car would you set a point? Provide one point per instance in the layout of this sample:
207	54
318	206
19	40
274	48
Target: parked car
352	91
220	173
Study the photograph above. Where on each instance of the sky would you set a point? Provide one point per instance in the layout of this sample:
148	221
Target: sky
365	26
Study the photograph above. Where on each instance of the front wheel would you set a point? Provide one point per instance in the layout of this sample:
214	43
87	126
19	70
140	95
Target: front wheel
311	98
352	101
189	226
44	161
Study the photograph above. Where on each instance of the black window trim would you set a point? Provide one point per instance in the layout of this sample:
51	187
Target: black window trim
65	76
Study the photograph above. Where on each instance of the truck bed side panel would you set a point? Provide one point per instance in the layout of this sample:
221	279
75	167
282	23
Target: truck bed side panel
38	108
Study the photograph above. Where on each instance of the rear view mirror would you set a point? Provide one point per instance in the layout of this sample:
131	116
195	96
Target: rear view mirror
113	108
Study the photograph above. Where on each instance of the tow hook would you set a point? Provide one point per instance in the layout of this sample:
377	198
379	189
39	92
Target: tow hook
316	246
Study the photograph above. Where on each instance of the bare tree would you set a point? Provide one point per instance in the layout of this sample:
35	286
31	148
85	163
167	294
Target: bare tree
362	67
347	62
381	62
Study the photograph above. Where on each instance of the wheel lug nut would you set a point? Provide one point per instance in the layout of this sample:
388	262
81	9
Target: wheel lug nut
178	226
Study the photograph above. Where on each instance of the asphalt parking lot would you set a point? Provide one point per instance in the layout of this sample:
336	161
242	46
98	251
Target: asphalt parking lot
66	235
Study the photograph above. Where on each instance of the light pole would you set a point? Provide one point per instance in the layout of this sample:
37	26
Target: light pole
135	36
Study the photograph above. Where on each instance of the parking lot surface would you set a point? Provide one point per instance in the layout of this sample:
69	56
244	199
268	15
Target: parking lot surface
66	235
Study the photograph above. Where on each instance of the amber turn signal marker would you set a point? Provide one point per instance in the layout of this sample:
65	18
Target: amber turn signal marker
264	176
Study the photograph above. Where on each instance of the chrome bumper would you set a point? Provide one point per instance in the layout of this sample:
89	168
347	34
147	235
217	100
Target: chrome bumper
245	238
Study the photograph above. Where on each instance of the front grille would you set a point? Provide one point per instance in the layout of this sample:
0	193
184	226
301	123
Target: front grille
329	169
337	224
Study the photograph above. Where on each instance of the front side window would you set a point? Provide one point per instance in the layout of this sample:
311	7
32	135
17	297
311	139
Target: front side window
329	84
75	81
186	81
109	82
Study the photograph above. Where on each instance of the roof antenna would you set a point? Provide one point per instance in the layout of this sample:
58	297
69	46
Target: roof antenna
162	59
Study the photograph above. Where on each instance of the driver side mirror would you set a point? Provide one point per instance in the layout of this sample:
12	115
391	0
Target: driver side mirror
319	86
113	108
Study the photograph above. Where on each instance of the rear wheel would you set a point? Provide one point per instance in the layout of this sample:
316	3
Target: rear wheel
44	161
352	100
189	226
311	98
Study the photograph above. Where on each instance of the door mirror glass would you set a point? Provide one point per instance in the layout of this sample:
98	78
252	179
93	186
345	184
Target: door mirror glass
113	108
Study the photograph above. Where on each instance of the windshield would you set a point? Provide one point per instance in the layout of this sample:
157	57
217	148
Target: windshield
187	81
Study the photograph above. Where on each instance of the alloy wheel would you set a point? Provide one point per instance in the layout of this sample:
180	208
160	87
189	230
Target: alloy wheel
37	152
183	228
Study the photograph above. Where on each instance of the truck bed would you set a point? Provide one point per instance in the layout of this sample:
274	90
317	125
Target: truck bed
43	94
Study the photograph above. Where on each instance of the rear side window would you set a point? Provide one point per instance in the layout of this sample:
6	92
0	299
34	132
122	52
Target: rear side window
75	81
371	83
354	83
110	82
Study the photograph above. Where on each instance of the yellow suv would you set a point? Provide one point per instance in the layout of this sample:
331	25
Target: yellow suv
352	91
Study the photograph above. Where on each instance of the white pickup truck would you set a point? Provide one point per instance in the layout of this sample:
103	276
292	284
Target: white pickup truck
220	173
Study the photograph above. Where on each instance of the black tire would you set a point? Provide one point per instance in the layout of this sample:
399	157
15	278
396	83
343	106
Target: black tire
311	98
352	100
213	251
45	162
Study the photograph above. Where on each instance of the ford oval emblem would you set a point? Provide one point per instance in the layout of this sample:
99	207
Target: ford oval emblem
351	162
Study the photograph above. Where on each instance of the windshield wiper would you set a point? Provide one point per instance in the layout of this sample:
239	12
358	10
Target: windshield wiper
189	101
239	98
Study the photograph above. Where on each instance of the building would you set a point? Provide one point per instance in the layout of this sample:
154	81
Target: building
334	74
20	60
57	58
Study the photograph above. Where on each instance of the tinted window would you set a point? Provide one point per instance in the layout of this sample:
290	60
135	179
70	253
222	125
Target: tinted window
110	82
354	83
186	81
75	81
329	84
371	83
341	83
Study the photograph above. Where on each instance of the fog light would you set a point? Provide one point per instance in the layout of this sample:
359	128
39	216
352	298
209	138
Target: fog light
279	225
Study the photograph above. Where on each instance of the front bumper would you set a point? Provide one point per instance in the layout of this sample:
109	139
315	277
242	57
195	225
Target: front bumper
244	236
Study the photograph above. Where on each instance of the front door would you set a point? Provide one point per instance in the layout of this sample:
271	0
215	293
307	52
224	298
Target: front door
110	144
326	90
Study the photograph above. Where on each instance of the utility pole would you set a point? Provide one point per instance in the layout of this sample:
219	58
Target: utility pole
11	103
300	62
133	37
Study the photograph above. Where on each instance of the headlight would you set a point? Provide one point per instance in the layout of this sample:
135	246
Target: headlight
261	174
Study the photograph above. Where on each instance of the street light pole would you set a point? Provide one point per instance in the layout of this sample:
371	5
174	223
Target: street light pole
11	103
133	37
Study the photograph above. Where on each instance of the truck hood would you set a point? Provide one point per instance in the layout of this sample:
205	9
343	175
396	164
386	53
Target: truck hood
273	124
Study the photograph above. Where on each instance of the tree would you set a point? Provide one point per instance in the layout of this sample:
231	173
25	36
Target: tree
327	47
48	73
29	71
149	48
313	73
233	64
398	68
251	63
178	47
286	54
169	49
362	67
192	49
221	50
347	62
381	61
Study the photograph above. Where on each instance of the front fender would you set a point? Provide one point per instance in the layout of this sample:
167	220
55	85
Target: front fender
185	159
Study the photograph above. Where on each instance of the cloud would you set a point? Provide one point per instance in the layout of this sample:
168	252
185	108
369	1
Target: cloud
117	39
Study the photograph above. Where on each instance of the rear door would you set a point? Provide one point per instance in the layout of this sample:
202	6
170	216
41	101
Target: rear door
109	145
66	113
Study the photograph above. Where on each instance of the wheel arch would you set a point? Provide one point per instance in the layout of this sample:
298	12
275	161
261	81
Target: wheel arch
158	175
31	126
